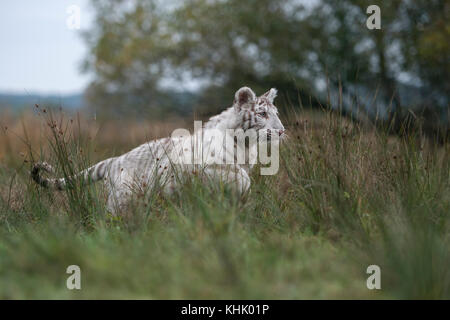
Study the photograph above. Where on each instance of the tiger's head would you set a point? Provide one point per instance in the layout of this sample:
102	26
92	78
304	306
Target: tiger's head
258	113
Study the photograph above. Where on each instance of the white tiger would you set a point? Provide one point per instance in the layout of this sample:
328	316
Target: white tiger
152	162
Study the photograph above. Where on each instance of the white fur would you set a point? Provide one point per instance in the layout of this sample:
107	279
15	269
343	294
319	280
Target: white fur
154	164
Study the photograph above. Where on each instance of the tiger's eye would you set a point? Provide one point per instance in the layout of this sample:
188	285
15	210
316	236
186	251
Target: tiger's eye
263	114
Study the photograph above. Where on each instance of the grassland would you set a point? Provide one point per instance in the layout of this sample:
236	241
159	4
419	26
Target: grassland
347	196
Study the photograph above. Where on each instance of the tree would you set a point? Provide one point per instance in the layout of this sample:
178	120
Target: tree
128	48
303	50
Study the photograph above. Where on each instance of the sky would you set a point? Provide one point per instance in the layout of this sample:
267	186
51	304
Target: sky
39	53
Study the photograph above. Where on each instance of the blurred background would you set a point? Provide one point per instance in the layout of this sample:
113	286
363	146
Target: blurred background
150	58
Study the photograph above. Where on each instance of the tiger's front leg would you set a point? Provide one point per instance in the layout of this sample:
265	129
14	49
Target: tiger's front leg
233	175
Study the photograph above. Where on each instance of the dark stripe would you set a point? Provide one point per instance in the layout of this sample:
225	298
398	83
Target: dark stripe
100	171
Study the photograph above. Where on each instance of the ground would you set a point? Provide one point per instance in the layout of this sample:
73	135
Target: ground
347	196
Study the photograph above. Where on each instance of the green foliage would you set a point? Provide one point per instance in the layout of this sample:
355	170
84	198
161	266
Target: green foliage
346	197
302	49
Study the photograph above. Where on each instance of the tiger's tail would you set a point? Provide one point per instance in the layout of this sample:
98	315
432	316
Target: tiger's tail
92	174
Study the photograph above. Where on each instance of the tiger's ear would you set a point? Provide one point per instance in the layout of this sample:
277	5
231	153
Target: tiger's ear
271	94
243	98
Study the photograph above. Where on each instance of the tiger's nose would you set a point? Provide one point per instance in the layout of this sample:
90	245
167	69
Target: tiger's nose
280	132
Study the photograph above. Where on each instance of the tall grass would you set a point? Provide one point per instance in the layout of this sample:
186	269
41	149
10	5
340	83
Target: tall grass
347	196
